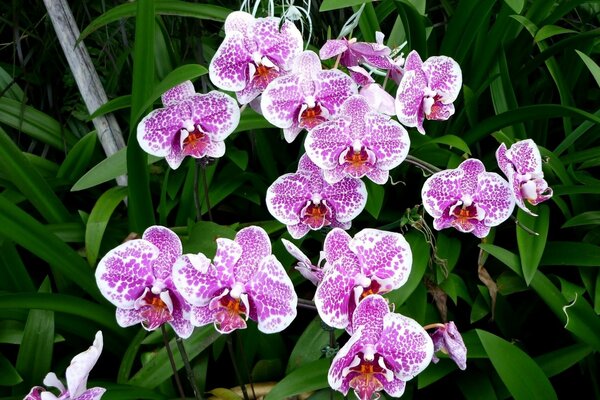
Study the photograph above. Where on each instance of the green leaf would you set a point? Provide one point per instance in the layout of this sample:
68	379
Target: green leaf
375	197
225	394
118	103
586	218
523	378
516	5
453	141
158	369
311	376
583	321
130	356
98	220
508	258
78	158
560	190
107	169
579	254
203	237
558	361
165	7
309	346
329	5
550	30
420	251
592	66
35	352
15	275
414	26
8	86
9	376
25	177
531	247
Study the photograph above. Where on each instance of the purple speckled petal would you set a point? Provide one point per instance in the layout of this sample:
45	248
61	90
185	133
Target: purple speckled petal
307	65
336	244
296	252
256	87
440	112
125	271
405	345
180	321
444	77
333	293
332	48
448	340
298	230
503	162
360	75
128	317
280	45
156	131
217	113
281	101
369	316
286	197
409	99
256	245
495	197
175	157
238	21
525	157
336	377
227	255
387	139
348	197
169	246
333	88
272	293
79	369
202	315
196	279
178	93
385	255
325	142
395	387
35	393
91	394
215	150
228	69
413	62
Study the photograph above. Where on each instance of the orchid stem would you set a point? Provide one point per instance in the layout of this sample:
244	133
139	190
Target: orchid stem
235	368
425	166
526	229
309	304
188	367
435	325
196	197
385	80
337	61
172	361
205	184
243	355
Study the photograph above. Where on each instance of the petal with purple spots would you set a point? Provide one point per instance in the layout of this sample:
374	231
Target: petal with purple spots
256	245
169	247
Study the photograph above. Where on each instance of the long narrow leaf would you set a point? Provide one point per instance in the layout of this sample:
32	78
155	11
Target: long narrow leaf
531	247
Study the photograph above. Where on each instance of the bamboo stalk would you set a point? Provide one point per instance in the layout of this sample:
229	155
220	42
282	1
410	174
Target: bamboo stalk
85	75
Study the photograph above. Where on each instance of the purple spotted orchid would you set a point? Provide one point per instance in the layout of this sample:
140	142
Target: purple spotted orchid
190	124
373	262
243	281
522	165
448	340
427	90
467	198
77	375
254	52
136	276
304	201
358	142
353	53
305	97
386	350
307	269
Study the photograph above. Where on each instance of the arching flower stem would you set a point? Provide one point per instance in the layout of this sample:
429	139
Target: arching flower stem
188	367
172	361
425	166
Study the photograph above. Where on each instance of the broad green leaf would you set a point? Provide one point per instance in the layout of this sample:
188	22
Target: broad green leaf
575	135
560	190
368	22
130	356
203	237
140	208
531	247
9	376
328	5
165	7
453	141
583	321
435	372
516	5
158	369
558	361
592	66
34	123
311	376
225	394
508	258
98	220
414	26
25	177
548	31
250	120
375	197
523	378
585	218
503	94
309	346
8	86
118	103
15	275
78	158
127	392
35	352
476	385
33	236
579	254
107	169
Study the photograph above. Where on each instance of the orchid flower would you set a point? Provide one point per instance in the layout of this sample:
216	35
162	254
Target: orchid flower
358	142
136	276
385	350
254	52
427	90
467	198
379	100
373	262
190	124
448	340
307	269
305	97
243	281
522	165
304	200
77	375
353	53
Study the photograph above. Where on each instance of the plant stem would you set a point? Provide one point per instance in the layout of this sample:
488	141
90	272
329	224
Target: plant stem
425	166
235	368
307	304
243	355
435	325
172	361
196	197
526	229
205	184
188	367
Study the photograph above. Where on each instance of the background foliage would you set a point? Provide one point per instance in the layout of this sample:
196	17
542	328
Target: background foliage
528	305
